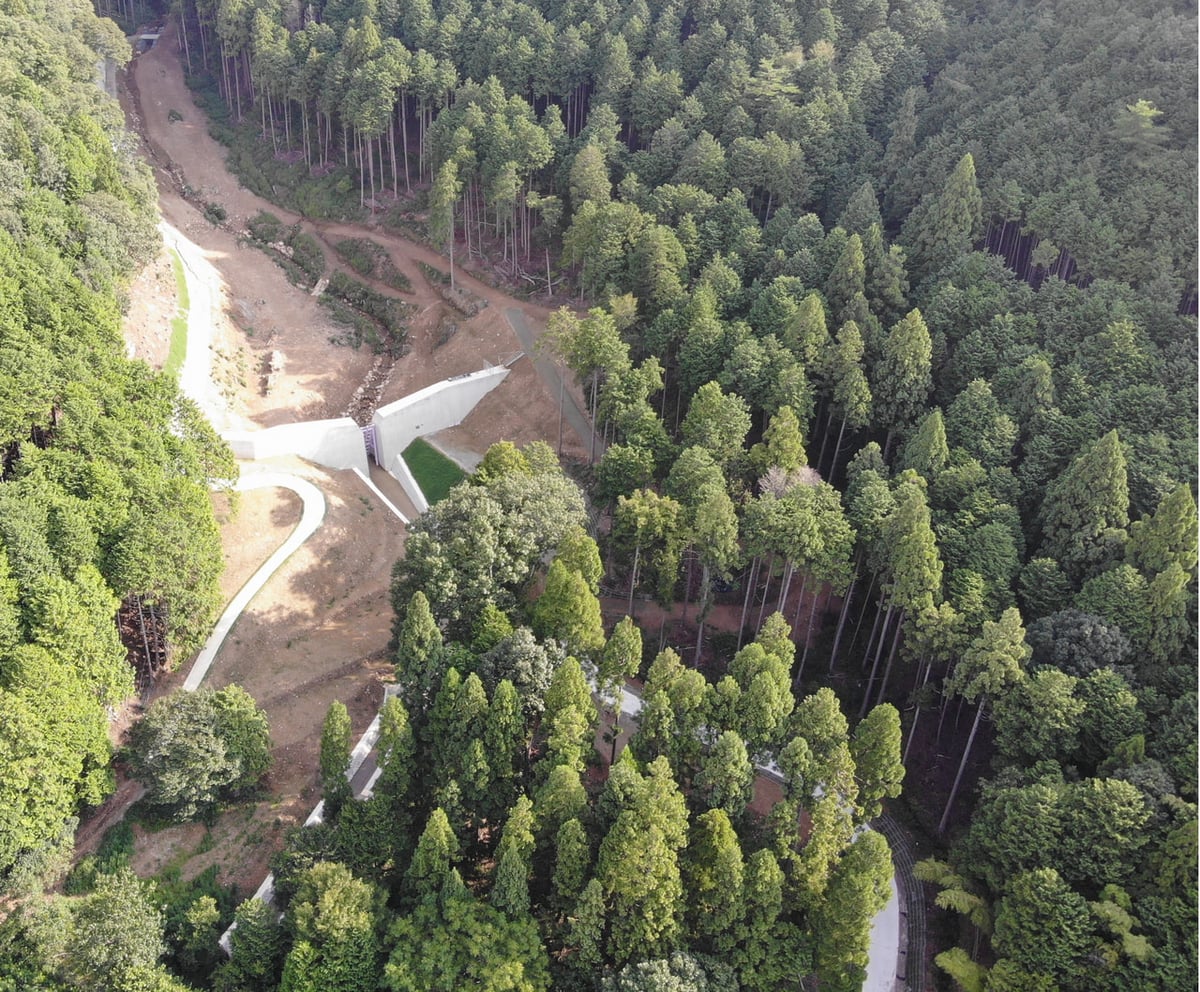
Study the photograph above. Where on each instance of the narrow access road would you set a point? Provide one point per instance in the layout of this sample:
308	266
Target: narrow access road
203	285
195	381
310	519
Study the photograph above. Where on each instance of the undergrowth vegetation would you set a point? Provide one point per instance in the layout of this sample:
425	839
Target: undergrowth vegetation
369	259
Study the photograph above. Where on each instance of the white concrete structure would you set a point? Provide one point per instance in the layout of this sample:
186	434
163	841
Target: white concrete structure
339	444
400	470
366	743
333	443
434	408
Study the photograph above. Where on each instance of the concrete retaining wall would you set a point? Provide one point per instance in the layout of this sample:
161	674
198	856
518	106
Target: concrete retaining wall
404	476
434	408
332	443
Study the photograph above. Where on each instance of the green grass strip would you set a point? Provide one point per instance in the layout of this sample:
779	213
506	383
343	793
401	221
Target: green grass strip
179	323
435	473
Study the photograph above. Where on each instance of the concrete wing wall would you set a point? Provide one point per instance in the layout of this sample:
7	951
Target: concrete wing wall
332	443
434	408
401	472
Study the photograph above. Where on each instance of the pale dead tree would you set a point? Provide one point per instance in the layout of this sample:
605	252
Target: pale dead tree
780	481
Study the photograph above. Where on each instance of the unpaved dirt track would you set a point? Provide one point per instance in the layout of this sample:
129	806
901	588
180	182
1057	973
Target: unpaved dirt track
319	379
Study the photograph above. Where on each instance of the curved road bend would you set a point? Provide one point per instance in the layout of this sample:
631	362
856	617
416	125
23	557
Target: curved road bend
310	519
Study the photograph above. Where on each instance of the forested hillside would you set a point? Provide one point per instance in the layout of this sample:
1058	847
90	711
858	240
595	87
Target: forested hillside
887	345
811	371
499	850
108	548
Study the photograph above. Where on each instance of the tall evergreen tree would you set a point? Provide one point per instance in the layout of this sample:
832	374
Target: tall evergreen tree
713	872
1167	536
992	664
902	379
433	859
945	225
335	759
1086	511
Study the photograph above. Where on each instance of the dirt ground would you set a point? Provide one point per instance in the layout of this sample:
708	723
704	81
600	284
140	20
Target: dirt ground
318	630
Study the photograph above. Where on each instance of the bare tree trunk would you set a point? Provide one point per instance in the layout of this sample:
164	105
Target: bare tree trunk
800	600
871	639
687	589
912	730
404	139
762	610
142	627
237	89
788	571
875	665
887	671
637	553
701	616
751	579
842	615
187	53
562	386
962	766
862	615
824	433
812	616
837	449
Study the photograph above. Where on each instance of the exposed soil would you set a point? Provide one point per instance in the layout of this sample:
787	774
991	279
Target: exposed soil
267	314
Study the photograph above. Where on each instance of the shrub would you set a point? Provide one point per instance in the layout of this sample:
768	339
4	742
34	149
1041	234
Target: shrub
435	276
369	259
303	262
265	227
192	748
306	253
386	314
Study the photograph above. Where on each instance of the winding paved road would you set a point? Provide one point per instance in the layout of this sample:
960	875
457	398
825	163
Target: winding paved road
310	519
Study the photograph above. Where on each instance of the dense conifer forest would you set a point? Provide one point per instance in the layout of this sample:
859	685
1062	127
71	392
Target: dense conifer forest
108	547
889	300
